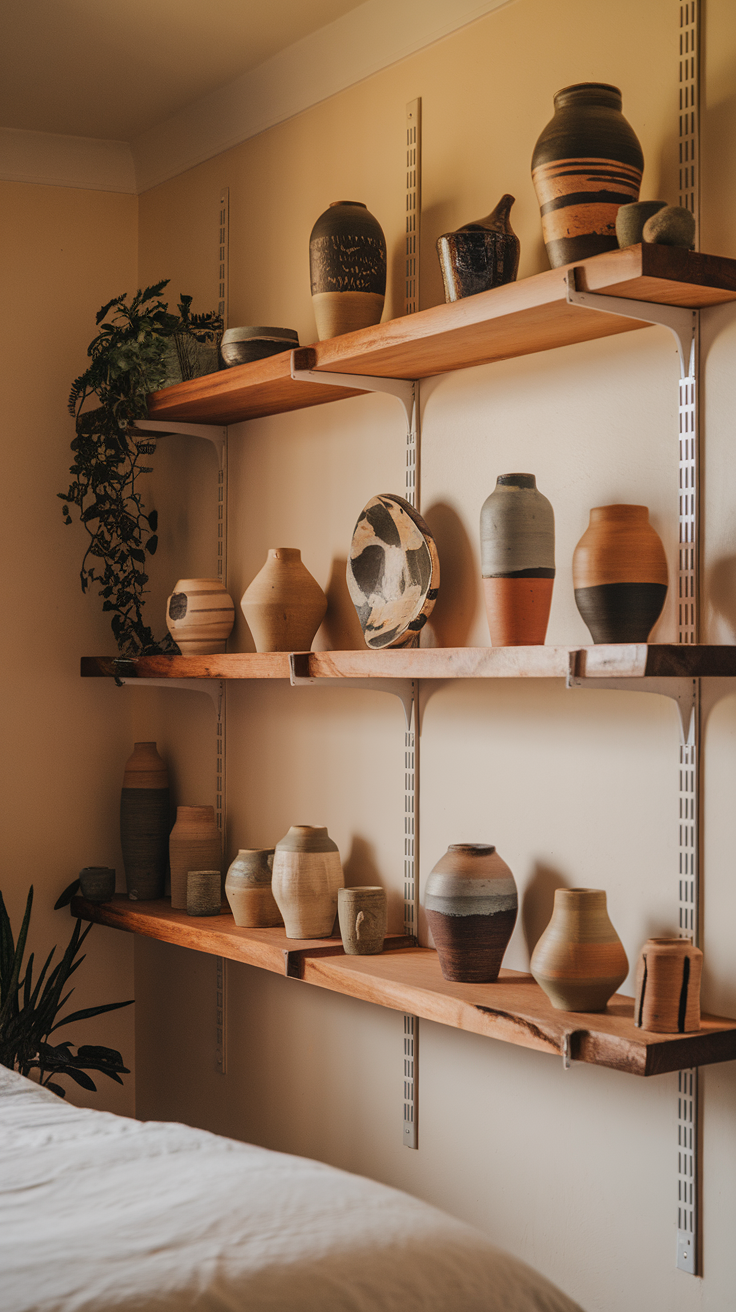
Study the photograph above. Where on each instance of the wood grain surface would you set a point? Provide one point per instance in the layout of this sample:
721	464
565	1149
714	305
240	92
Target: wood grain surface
513	1009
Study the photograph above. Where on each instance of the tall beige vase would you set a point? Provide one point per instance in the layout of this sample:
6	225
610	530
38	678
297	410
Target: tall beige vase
194	844
307	872
284	605
579	961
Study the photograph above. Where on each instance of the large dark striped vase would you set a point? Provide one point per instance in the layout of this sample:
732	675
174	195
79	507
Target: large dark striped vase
586	164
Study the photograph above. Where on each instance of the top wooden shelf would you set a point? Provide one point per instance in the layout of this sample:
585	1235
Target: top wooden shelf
517	319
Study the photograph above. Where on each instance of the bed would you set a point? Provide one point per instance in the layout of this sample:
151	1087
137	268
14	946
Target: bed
99	1212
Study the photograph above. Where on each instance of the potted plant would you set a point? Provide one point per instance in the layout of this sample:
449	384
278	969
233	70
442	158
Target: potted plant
130	357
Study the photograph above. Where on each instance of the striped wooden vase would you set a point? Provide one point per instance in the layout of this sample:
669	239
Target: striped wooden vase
586	164
517	545
579	961
199	616
144	823
619	571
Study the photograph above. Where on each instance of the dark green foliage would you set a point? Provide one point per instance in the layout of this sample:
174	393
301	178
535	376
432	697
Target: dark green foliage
128	361
28	1011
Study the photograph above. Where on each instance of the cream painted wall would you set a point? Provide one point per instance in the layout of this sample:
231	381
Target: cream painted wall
575	1172
63	253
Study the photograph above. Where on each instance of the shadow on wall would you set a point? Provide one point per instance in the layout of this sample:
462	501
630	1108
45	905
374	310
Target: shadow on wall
454	612
340	629
721	592
538	901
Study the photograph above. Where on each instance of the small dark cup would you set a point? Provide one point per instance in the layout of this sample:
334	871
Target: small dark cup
97	883
204	893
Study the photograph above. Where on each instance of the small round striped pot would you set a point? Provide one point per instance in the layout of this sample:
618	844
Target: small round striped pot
199	616
471	904
586	164
619	571
517	549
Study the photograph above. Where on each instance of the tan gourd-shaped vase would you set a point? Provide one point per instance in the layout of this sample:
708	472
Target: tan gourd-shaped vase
284	605
668	986
619	571
199	616
579	961
144	823
307	872
248	889
194	844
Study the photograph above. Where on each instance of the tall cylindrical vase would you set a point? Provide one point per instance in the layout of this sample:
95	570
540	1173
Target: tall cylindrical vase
284	605
471	904
144	823
194	844
307	872
619	571
586	164
579	961
517	545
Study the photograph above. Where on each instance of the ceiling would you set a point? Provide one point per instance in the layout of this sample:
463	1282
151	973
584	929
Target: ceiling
112	68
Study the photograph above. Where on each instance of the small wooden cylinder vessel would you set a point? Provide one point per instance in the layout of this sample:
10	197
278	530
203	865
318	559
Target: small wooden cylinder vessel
619	571
668	986
362	915
144	823
284	605
517	544
204	893
307	873
471	904
579	961
194	844
199	616
248	889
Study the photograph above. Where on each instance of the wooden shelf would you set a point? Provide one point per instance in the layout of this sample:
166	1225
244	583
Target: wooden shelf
518	319
408	979
607	661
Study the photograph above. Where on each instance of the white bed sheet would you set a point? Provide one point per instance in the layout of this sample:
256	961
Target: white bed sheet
99	1213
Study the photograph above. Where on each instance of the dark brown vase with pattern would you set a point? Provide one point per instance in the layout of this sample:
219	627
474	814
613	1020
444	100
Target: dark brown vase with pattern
480	255
347	263
586	164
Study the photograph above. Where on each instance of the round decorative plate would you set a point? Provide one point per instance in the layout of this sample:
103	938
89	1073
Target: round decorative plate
393	572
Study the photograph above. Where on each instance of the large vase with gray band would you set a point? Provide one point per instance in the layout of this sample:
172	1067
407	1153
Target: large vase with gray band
347	264
144	823
471	904
586	164
619	571
517	547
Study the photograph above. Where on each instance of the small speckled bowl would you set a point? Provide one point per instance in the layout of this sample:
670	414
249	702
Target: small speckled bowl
242	345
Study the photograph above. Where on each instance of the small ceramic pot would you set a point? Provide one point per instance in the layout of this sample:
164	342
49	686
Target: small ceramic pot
199	616
194	844
517	544
471	904
204	893
242	345
480	255
97	883
362	917
144	823
248	889
347	263
630	220
579	961
619	572
307	874
668	986
284	606
671	226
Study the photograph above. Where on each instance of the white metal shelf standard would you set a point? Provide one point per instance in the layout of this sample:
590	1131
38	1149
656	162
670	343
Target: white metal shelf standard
685	325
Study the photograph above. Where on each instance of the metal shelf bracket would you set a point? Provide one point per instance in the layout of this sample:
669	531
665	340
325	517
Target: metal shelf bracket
682	691
210	432
404	389
213	688
404	689
682	323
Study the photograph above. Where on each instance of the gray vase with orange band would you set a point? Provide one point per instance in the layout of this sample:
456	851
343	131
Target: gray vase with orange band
586	164
517	549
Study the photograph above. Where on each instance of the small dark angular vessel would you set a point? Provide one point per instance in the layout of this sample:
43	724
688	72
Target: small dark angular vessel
480	255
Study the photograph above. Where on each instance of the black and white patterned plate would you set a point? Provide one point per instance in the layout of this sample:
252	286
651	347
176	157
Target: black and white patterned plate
393	572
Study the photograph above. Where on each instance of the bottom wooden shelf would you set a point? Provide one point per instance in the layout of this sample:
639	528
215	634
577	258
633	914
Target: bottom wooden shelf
408	979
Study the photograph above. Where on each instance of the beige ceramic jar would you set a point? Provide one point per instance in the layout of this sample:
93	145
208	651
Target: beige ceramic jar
199	616
362	916
284	605
248	889
307	872
194	844
579	961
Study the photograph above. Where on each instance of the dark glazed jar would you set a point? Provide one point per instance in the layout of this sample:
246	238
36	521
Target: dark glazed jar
586	164
347	263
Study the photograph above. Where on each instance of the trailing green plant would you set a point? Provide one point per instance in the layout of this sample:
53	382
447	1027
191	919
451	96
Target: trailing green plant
130	357
29	1011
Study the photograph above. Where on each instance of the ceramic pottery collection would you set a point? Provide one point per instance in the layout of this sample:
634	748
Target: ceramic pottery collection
307	872
619	571
204	893
393	572
347	262
517	544
284	605
668	986
199	616
362	917
194	844
586	163
480	255
471	904
248	889
97	883
579	961
144	823
242	345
